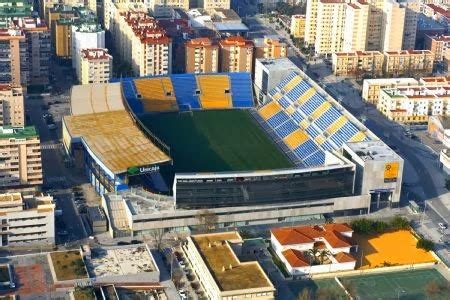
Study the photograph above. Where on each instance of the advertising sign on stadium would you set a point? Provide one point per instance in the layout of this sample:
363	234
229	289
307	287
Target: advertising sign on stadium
391	172
142	170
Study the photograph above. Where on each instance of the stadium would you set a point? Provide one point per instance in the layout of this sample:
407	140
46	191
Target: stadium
209	146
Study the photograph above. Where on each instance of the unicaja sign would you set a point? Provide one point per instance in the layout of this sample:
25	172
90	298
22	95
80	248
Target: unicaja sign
142	170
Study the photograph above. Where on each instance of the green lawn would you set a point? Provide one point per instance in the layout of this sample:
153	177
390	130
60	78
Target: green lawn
216	141
318	289
403	285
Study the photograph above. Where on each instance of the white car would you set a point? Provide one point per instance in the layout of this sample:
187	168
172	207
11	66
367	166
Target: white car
182	294
442	226
182	264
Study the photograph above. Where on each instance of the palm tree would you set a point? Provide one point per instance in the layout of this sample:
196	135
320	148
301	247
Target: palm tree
313	252
323	254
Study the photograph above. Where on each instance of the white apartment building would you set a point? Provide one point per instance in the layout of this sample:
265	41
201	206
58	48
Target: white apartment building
355	29
11	106
95	66
20	157
211	4
372	87
85	36
26	220
330	26
414	105
311	21
393	26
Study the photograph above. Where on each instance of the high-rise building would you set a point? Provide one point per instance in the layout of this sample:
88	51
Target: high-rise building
236	54
298	26
269	48
85	36
13	54
211	4
11	106
20	157
161	8
26	219
439	45
95	66
202	56
355	29
393	26
330	26
311	22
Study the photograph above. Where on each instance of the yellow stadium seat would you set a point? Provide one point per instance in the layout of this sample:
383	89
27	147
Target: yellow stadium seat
296	138
277	96
157	94
290	85
290	110
304	123
358	137
336	125
212	91
305	97
269	110
320	140
321	110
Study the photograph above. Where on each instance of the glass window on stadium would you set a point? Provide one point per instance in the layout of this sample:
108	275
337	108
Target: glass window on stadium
242	191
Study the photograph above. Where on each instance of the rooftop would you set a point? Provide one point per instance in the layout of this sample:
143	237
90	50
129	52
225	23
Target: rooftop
400	81
230	274
115	139
373	150
230	26
8	132
120	261
95	54
278	63
96	98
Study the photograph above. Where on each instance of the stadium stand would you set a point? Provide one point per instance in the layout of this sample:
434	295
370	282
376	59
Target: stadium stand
269	110
214	91
156	94
185	86
241	90
130	94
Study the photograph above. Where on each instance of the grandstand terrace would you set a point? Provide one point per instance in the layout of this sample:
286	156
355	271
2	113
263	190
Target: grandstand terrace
308	120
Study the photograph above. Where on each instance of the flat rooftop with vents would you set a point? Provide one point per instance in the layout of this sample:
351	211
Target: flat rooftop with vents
230	275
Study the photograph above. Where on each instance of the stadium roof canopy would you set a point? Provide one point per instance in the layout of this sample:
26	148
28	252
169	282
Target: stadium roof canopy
96	98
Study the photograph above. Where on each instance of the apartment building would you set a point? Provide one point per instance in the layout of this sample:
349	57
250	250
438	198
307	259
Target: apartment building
372	87
439	12
27	219
311	22
355	29
414	105
393	25
20	154
330	26
358	63
85	36
298	26
162	8
389	64
60	18
13	54
202	56
269	48
211	4
11	106
412	12
14	8
404	62
439	45
236	54
95	66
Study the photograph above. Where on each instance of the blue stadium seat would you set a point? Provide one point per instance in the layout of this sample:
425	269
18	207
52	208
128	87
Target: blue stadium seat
297	117
315	159
278	119
286	128
344	134
306	149
185	86
241	90
129	92
286	79
325	120
312	104
298	90
312	131
285	103
327	146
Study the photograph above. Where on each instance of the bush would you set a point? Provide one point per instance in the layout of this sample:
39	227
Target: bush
365	226
399	223
425	244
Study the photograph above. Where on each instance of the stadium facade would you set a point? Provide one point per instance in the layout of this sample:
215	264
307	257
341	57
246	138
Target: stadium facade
335	164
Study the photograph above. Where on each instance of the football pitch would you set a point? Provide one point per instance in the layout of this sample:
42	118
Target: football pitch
216	141
398	285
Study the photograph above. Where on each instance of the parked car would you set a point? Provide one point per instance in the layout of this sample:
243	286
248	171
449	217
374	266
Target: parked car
183	294
442	226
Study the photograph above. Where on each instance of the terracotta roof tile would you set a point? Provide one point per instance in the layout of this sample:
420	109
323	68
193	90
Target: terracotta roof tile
295	258
344	257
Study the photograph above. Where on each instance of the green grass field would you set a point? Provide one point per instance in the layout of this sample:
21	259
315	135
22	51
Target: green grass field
215	141
318	289
398	285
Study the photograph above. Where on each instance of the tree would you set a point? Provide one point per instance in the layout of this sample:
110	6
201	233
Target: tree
158	236
207	220
177	277
425	244
399	222
323	254
313	253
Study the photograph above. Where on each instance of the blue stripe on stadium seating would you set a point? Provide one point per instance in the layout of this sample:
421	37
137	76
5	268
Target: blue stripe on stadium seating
278	119
241	90
129	92
185	86
286	128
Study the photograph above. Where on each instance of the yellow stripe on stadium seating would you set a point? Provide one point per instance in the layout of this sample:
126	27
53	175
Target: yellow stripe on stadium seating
277	96
269	110
319	139
157	94
290	110
358	137
336	125
295	139
321	110
306	96
290	85
304	123
212	91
